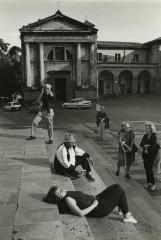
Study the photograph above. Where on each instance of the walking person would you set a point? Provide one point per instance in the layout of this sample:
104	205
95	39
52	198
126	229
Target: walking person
126	150
102	116
98	206
45	101
150	149
68	156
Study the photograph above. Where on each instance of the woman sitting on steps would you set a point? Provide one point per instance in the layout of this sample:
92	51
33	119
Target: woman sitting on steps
98	206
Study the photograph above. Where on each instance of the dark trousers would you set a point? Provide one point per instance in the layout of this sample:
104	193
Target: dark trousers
111	197
80	160
148	165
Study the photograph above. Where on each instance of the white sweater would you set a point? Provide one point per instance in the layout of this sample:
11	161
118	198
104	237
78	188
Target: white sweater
61	154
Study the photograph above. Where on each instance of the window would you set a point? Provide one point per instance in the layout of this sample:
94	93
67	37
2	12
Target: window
59	53
69	55
117	57
99	56
136	57
147	58
50	55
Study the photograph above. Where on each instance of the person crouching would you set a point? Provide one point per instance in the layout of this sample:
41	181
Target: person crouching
68	156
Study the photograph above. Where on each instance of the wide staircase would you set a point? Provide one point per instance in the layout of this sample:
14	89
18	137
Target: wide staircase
26	175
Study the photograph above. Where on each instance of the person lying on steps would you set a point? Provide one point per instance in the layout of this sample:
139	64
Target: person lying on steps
98	206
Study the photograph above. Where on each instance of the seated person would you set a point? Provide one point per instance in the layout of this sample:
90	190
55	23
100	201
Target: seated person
101	116
68	156
98	206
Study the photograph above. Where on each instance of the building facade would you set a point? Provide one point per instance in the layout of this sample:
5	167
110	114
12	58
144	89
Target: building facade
65	53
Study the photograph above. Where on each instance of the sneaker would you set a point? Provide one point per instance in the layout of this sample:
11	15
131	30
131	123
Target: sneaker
90	178
50	142
128	176
121	214
129	219
117	173
147	185
31	138
153	188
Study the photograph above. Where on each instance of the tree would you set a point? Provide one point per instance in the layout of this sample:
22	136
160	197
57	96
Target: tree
10	69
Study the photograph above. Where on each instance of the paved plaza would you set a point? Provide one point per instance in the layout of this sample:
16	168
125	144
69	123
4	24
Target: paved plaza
25	175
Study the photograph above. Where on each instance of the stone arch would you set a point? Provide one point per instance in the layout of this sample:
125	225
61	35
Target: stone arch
105	80
126	82
144	82
51	53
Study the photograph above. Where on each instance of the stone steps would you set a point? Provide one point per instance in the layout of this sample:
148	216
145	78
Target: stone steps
73	227
35	219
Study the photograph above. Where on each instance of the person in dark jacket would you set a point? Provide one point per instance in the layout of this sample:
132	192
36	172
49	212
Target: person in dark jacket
149	146
102	116
45	101
127	148
68	156
98	206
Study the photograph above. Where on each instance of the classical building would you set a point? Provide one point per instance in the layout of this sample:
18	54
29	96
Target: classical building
65	53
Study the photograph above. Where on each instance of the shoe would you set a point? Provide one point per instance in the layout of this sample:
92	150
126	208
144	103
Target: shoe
72	176
129	219
117	173
121	214
153	188
128	176
147	185
90	178
31	138
50	141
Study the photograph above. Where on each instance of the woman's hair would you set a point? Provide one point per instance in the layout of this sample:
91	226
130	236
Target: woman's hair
124	124
50	196
151	126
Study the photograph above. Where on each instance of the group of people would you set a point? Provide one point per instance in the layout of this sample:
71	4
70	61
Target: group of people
127	149
69	156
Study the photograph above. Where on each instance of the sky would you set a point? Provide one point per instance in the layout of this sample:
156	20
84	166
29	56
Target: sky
116	20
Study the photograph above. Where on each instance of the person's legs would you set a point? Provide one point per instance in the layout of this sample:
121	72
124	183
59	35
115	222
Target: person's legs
111	197
64	171
49	123
105	192
83	161
147	170
35	123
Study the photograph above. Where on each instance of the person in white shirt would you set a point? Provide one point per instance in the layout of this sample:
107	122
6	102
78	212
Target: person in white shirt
68	156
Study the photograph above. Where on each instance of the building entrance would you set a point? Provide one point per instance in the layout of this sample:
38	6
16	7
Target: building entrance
60	89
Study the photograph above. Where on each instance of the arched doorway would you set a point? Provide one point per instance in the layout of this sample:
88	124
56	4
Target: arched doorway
144	80
105	80
58	76
126	82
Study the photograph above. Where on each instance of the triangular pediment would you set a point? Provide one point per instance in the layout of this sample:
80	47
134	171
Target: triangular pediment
58	22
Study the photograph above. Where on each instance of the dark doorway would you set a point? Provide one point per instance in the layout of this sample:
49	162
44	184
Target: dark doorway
60	89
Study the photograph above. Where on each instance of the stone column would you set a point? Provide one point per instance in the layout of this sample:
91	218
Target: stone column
92	63
78	65
41	63
28	66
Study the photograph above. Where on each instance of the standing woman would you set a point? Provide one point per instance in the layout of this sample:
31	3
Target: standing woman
127	148
149	144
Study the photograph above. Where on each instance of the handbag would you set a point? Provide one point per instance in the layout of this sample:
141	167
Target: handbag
134	148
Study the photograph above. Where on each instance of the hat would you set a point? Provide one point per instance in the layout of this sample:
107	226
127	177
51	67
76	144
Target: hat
69	138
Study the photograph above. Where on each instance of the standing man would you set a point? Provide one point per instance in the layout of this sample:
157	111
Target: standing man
45	101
